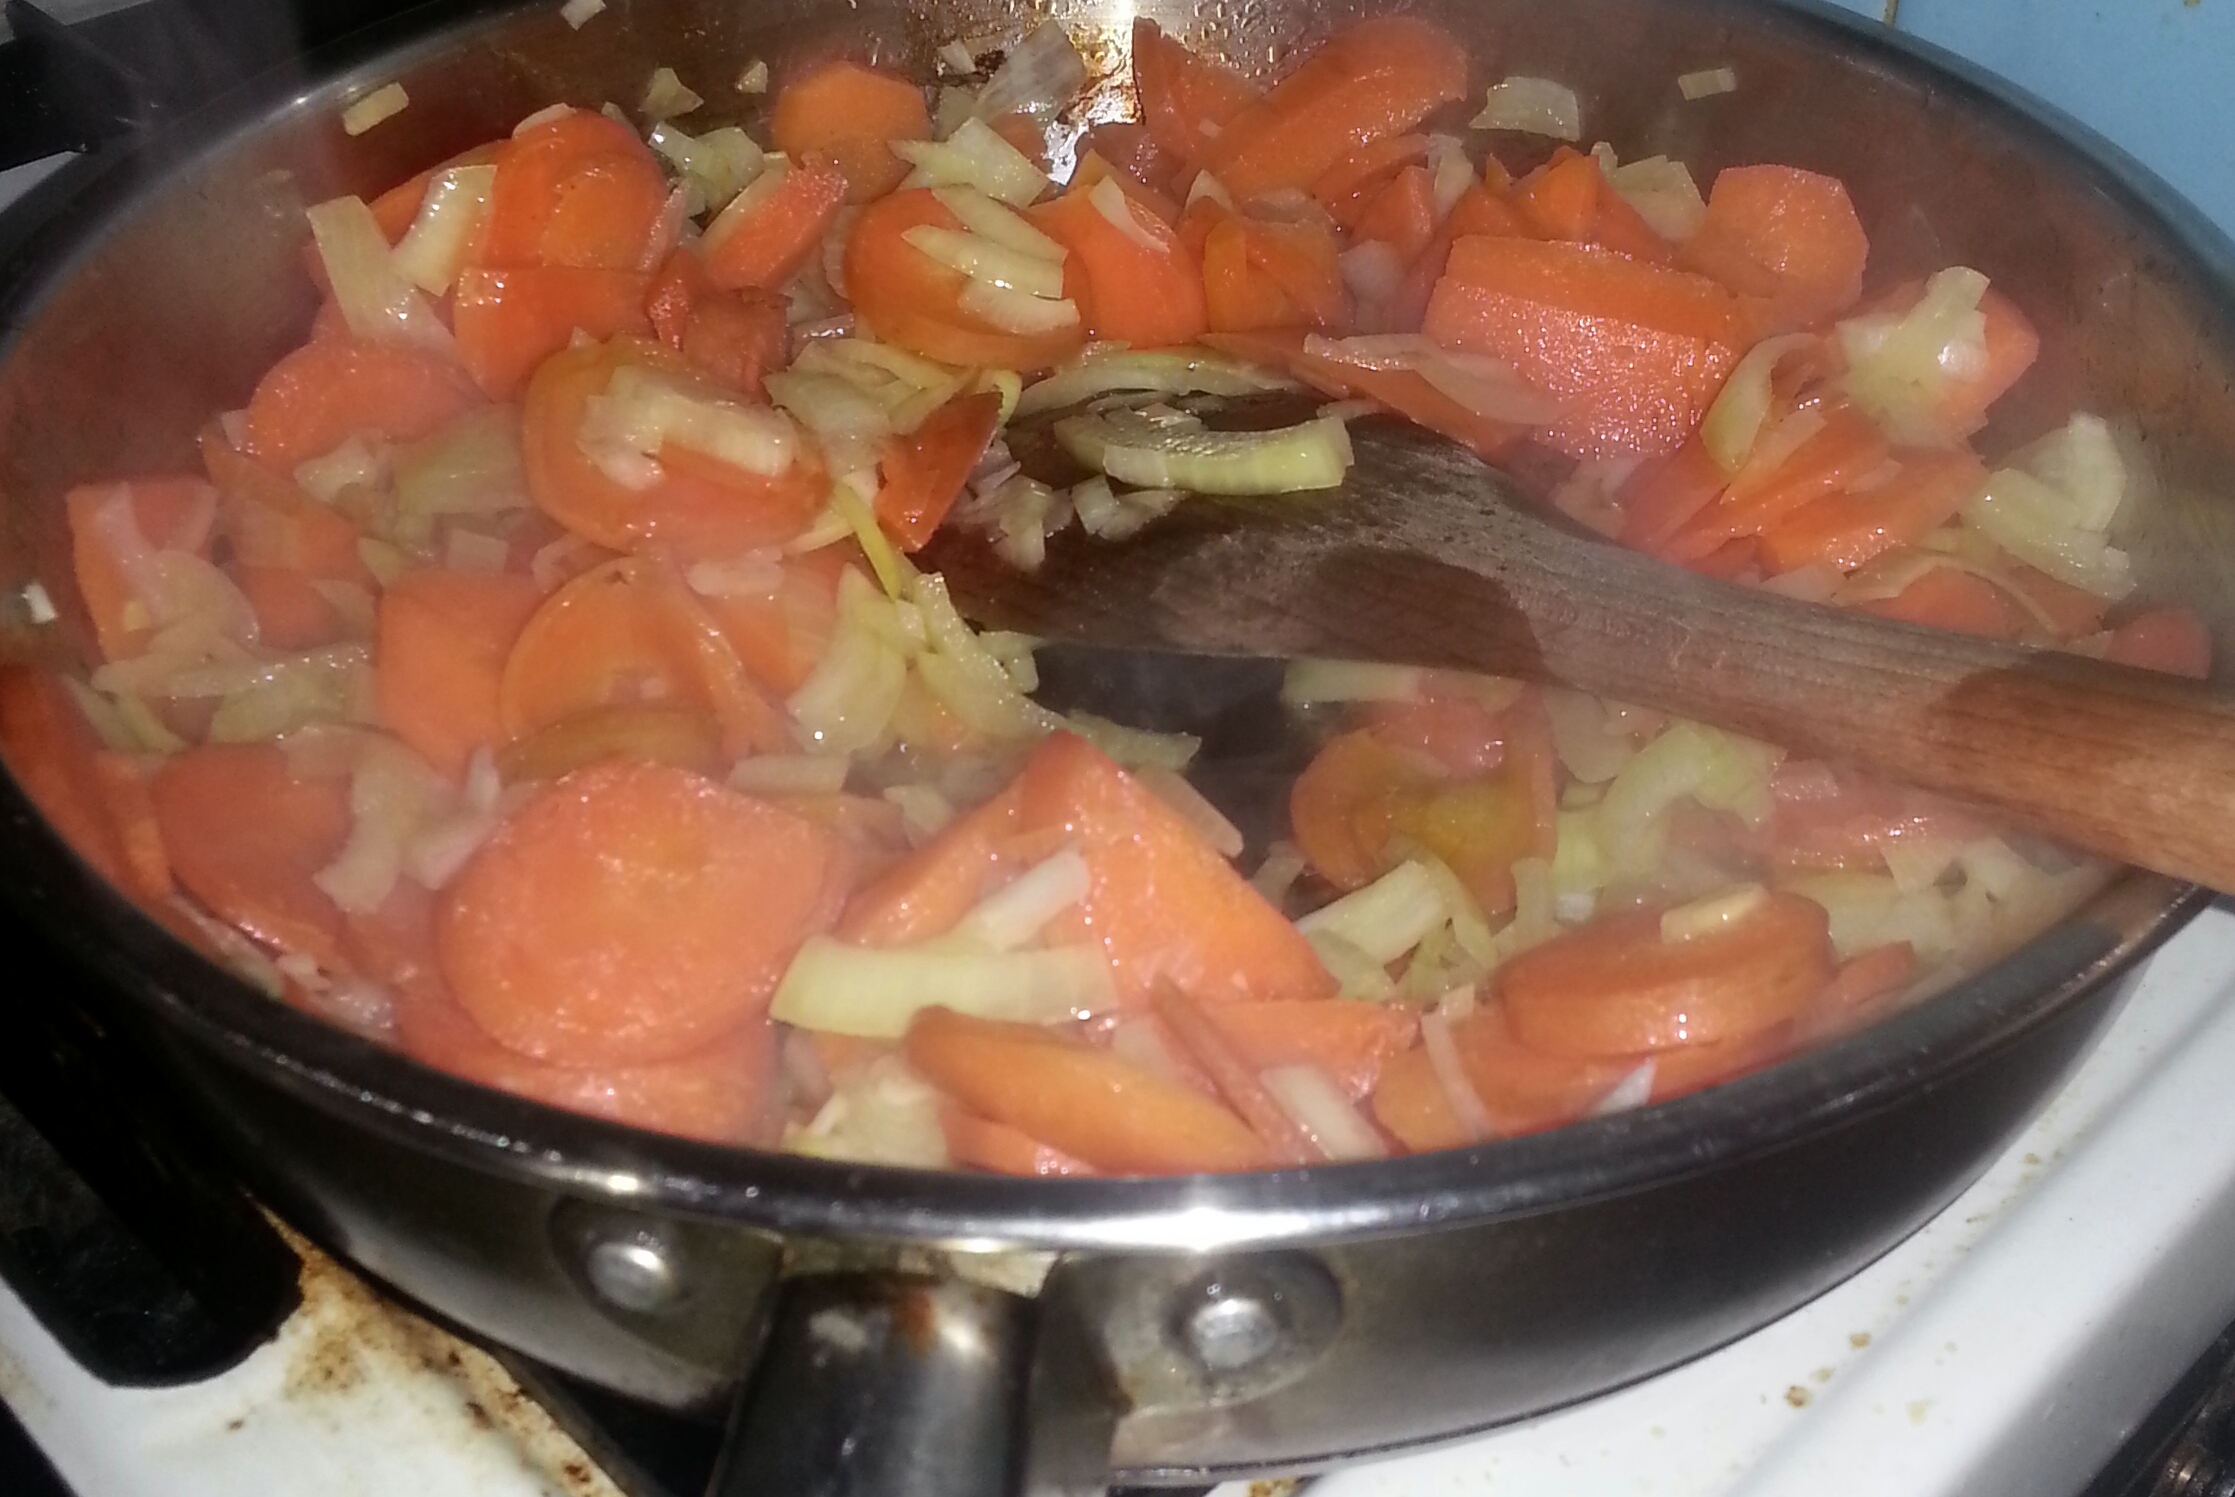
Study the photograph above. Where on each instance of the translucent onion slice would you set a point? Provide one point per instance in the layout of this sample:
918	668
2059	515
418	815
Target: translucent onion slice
872	993
1310	681
980	214
1535	106
1182	453
1102	370
988	261
375	298
1735	418
1898	368
1015	311
1707	82
452	212
642	409
665	96
1039	75
1109	200
845	705
974	156
1386	918
1014	914
1664	195
1451	1074
1712	914
1319	1107
383	103
1371	271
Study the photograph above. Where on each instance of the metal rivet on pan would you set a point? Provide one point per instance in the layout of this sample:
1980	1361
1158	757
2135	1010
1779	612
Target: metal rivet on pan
1232	1329
634	1272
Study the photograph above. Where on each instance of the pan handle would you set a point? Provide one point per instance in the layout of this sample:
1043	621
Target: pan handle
902	1385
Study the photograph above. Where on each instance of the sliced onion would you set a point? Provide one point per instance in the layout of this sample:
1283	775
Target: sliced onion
775	167
1735	418
1134	749
1284	864
578	13
1001	224
1664	195
873	993
1371	271
1451	1074
1207	186
973	156
666	97
754	79
1014	914
641	409
1707	82
846	703
1712	914
1206	820
789	774
1017	311
1040	75
543	116
1897	367
392	793
1109	200
452	212
1319	1107
375	298
987	261
383	103
1535	106
1386	918
1633	1091
716	165
1099	371
1310	681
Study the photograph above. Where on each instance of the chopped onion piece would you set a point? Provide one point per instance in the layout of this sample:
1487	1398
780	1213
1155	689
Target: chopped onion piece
1451	1074
375	299
1735	419
1309	681
543	116
1707	82
1207	186
2081	461
754	80
715	166
1284	864
987	261
1015	311
924	812
873	992
392	792
973	156
350	464
1040	75
665	96
1134	748
1003	225
752	574
775	167
1319	1107
788	774
1898	368
1135	447
885	1114
384	102
955	58
1664	195
641	409
578	13
1535	106
472	466
1631	1092
1713	913
452	212
1371	271
1592	748
1175	372
1386	918
471	551
846	703
2034	522
1013	914
1451	172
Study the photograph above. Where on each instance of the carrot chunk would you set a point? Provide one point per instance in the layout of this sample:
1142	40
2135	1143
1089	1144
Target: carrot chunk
1349	1041
2173	640
852	114
1847	529
632	913
1135	283
983	1144
1116	1116
764	241
510	319
1788	235
1186	98
334	388
443	641
1522	1090
246	834
579	190
925	470
168	514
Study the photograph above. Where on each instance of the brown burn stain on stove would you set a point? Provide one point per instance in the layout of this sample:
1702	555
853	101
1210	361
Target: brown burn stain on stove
353	1339
1799	1397
1858	1339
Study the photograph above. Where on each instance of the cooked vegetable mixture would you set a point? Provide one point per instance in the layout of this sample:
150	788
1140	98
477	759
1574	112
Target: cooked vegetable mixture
534	677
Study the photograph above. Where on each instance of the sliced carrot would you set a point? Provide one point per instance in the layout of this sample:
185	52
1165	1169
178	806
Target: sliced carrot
1521	1090
735	336
1136	284
245	835
924	471
1953	599
983	1144
291	613
1347	187
1403	391
1691	1068
770	238
1161	903
1867	976
1569	198
1186	98
723	1092
1238	295
170	514
51	751
269	522
332	389
1401	215
632	913
443	642
1302	259
905	297
684	737
851	114
1374	78
1233	1076
780	637
1823	818
580	190
1341	807
511	318
1617	987
627	633
1845	530
1349	1041
1784	234
1665	492
1115	1116
926	892
1845	448
708	509
2173	640
1639	350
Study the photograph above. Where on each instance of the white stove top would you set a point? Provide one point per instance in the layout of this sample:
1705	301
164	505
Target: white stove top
2007	1348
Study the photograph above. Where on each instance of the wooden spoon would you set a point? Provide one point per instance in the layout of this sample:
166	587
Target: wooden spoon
1424	557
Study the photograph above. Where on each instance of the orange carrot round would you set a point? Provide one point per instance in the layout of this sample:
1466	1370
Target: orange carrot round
852	114
1617	987
510	319
246	834
578	190
906	297
333	388
1186	98
631	913
1086	1102
701	509
2165	639
924	471
440	656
